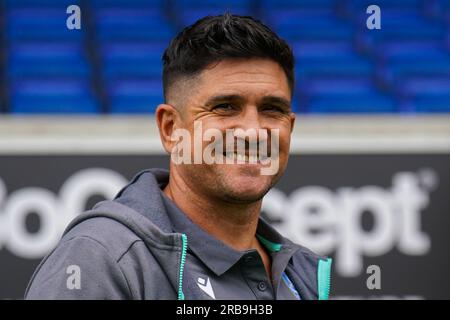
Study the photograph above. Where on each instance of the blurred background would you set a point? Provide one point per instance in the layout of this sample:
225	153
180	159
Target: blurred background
113	63
368	181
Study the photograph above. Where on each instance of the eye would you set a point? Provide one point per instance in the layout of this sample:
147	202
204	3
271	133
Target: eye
224	107
273	108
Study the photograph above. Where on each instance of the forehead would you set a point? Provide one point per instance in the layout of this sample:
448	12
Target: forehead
246	77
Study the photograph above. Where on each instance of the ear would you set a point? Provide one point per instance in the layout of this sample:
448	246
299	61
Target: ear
292	118
166	118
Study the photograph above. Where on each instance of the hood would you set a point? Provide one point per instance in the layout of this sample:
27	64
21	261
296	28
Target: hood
139	207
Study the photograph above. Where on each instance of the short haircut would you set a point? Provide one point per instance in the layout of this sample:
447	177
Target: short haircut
215	38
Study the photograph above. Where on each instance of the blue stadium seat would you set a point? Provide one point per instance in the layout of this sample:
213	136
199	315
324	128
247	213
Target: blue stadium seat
446	13
396	74
190	11
357	5
341	65
40	3
118	24
310	69
52	96
401	51
322	49
411	87
338	85
190	16
296	106
353	103
344	95
132	60
224	4
33	59
296	4
128	3
431	103
329	58
134	96
40	24
49	68
309	25
55	105
398	25
407	59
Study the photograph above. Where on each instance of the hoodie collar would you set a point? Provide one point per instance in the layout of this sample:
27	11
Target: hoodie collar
212	252
143	195
215	254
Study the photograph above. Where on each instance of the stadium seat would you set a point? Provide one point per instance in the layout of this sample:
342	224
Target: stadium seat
431	103
40	24
118	24
298	25
189	16
424	85
295	4
399	26
358	5
224	5
128	3
401	60
114	61
132	59
34	59
55	105
134	96
344	95
353	103
190	11
37	96
329	58
39	3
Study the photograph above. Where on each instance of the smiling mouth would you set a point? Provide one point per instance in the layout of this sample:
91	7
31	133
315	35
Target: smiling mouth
245	158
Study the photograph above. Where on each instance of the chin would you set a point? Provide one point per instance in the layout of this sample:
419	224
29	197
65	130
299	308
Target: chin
246	190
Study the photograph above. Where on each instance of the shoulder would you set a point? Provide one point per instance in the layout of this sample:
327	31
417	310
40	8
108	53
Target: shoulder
307	261
115	238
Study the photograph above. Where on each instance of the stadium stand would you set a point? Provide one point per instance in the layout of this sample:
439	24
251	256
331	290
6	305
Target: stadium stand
113	64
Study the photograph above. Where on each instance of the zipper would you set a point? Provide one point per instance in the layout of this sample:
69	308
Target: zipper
182	262
324	278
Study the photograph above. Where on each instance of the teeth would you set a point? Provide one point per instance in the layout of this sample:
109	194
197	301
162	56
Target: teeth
253	159
229	156
264	160
241	158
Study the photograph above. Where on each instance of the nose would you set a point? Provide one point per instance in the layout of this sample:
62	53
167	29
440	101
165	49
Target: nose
249	119
250	131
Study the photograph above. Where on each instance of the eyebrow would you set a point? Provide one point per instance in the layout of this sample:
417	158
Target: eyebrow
238	98
279	101
223	98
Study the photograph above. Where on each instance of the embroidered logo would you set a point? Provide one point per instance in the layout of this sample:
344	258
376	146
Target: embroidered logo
205	285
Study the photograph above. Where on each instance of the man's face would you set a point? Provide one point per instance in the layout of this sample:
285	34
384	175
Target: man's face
238	94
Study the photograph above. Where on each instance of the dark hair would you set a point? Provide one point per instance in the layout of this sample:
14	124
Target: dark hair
212	39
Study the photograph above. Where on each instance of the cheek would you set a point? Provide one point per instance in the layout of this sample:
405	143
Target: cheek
212	124
284	141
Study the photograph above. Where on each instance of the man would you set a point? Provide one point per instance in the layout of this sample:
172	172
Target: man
195	232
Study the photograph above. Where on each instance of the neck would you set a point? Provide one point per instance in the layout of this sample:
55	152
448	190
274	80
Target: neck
233	224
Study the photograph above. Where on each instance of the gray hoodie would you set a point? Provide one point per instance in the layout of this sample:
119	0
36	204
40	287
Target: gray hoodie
127	249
